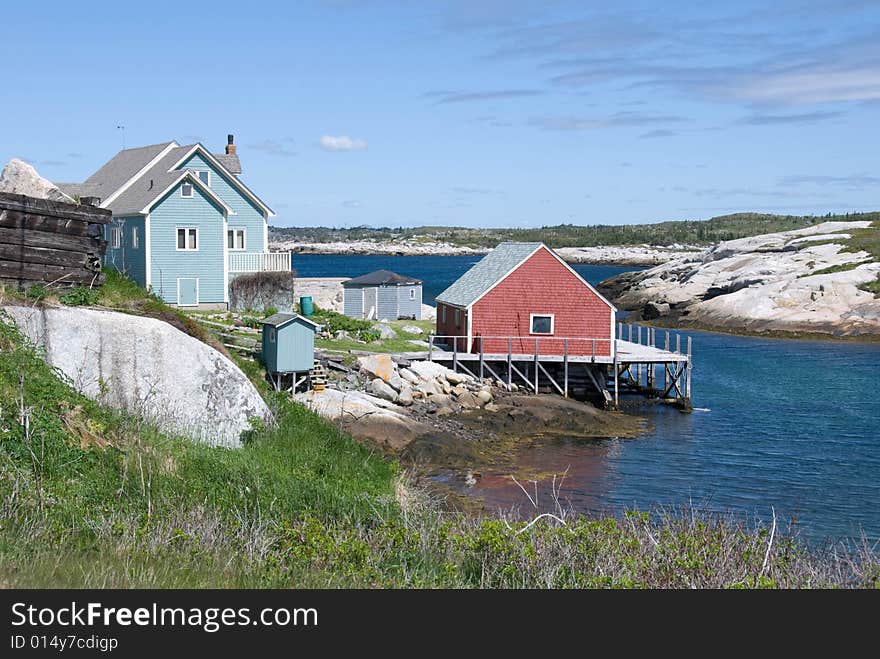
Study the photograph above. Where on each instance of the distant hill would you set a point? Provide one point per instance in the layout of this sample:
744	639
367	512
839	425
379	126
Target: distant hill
690	232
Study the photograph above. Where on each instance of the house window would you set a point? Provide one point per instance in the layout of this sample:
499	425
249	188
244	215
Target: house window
135	239
235	239
186	190
205	177
271	335
187	239
115	238
457	318
542	323
412	294
443	314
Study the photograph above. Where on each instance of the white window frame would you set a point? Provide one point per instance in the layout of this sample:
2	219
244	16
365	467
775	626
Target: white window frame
191	188
551	316
444	314
135	238
185	247
199	172
115	237
412	294
233	231
457	318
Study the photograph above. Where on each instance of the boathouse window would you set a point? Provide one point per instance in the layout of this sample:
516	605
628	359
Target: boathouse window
271	335
235	239
542	324
135	240
186	190
187	239
457	318
444	313
412	294
115	238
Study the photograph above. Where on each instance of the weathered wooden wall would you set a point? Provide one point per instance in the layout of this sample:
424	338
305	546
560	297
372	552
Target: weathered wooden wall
44	241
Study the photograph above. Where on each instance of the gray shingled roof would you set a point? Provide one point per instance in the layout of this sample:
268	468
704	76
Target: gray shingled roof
281	319
118	170
140	193
230	161
382	278
487	272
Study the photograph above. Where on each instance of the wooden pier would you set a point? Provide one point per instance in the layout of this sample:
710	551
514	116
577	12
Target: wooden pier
647	362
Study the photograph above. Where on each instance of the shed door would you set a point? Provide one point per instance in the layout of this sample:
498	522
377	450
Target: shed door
187	292
370	303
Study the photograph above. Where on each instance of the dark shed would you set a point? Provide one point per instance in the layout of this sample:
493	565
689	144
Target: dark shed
289	343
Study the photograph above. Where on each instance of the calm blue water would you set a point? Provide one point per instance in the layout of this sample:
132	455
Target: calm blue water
792	425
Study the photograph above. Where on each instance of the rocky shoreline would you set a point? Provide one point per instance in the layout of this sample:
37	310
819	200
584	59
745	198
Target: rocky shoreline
794	283
634	255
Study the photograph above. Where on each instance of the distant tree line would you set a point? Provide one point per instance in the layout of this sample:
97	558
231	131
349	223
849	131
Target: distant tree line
691	232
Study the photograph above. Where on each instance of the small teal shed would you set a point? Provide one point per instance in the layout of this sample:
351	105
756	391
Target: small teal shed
288	343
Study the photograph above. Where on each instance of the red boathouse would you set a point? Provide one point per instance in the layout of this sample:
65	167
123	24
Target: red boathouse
523	298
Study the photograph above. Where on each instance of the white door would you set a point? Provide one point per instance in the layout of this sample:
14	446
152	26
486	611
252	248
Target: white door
370	303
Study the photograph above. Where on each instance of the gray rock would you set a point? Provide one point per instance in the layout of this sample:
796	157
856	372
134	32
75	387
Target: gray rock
149	368
405	397
409	376
468	400
459	390
653	310
491	407
429	388
342	335
385	331
445	388
444	411
412	329
384	390
440	400
21	178
457	378
382	367
484	396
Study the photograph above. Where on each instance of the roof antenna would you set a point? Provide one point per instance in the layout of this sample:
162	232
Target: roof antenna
122	129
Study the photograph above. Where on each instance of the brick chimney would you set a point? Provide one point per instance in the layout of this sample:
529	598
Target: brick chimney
230	147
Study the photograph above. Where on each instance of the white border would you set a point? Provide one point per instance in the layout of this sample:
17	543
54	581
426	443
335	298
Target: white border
191	190
244	242
196	279
148	253
186	239
532	317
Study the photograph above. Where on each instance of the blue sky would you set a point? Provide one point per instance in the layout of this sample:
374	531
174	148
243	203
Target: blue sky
495	113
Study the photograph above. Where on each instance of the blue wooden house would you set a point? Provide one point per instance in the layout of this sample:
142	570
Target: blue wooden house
382	295
184	222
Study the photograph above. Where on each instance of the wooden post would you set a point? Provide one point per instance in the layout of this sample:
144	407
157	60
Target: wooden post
509	363
630	333
431	348
536	365
687	382
455	354
639	335
481	359
616	377
678	343
565	364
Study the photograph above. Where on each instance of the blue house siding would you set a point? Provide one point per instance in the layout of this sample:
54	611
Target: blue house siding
386	303
127	259
167	264
293	348
353	302
409	307
247	215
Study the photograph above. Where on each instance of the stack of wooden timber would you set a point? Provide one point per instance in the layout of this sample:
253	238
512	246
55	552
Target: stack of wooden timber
50	242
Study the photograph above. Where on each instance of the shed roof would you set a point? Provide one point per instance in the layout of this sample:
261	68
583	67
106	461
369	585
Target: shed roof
280	319
382	278
487	272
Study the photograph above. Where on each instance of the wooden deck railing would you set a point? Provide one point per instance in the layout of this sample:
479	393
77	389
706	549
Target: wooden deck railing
535	346
259	262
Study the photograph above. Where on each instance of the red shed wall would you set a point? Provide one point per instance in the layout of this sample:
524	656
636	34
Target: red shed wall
543	285
448	327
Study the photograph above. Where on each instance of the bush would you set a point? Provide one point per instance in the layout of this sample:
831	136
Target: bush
36	292
80	296
269	311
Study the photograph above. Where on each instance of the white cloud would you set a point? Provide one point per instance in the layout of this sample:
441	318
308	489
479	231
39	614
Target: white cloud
343	143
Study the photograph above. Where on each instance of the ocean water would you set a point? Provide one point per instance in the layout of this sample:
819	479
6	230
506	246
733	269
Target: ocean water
780	425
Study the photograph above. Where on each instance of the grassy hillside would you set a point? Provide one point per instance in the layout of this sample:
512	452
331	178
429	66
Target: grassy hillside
90	497
691	232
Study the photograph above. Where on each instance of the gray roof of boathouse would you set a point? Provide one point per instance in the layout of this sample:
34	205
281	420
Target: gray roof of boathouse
281	319
382	278
487	272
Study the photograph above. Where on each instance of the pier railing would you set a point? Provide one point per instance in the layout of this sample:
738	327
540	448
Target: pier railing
535	346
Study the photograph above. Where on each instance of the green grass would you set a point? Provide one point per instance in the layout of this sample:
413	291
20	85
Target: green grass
872	287
91	497
842	267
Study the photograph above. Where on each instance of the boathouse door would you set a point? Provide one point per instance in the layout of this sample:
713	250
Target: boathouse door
370	303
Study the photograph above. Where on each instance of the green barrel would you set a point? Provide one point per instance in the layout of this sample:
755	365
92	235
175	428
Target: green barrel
307	308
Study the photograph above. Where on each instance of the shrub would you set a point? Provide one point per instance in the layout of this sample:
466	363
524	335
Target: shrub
36	292
80	296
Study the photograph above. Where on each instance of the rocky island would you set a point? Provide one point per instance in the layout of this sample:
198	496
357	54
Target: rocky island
820	280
